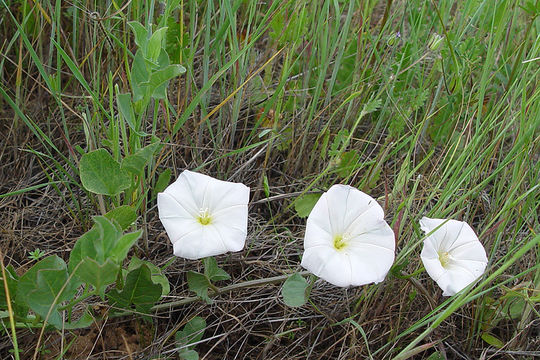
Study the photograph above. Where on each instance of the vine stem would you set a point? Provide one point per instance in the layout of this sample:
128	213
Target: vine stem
246	284
84	296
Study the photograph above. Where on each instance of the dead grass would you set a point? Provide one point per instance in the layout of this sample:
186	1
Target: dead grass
247	324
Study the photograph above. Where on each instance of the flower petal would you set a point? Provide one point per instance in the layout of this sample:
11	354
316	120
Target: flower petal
328	264
232	227
374	250
204	216
199	244
380	235
224	194
470	251
364	213
453	281
464	257
367	250
189	189
336	201
318	224
370	265
176	220
170	208
430	259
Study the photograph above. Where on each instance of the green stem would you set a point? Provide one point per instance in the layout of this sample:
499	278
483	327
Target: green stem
246	284
83	297
214	288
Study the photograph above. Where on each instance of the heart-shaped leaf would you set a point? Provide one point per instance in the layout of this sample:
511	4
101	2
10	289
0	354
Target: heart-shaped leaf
98	254
157	275
136	163
294	291
124	215
96	274
139	290
212	271
12	280
45	286
101	174
199	284
192	332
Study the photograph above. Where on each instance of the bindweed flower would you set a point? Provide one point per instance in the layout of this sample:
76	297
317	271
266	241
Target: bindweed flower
347	241
452	254
204	216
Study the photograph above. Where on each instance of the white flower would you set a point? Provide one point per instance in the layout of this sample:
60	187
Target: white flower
452	254
347	241
204	216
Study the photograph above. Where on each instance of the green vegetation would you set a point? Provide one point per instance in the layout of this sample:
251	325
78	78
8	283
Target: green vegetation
431	107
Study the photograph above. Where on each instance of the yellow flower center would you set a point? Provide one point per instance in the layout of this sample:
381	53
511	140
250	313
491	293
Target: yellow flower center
444	258
340	241
204	217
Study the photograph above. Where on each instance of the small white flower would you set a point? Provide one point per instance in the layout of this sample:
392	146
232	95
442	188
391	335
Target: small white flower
204	216
452	255
347	241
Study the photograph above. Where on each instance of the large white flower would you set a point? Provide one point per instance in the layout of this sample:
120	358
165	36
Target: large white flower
347	241
204	216
452	254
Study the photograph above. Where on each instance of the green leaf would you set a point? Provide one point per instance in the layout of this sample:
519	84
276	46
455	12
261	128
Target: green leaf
157	275
266	186
84	321
294	291
139	290
109	233
46	285
12	280
193	332
139	76
162	182
99	275
101	174
124	215
125	108
531	8
162	77
199	284
141	35
349	161
137	162
324	146
174	45
516	308
188	354
84	247
100	251
212	271
122	246
492	340
305	203
154	44
163	60
371	106
340	138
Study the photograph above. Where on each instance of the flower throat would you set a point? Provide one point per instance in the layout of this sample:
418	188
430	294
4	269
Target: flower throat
204	217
